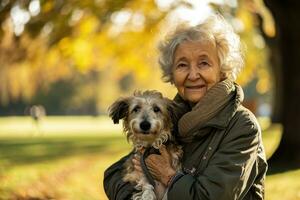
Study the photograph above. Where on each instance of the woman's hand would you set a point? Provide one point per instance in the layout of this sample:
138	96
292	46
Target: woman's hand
136	160
159	166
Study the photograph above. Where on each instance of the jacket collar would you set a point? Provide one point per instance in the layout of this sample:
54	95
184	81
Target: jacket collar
222	119
216	109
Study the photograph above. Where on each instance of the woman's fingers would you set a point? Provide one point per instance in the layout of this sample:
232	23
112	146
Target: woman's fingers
154	173
159	166
153	160
150	165
139	169
136	163
163	151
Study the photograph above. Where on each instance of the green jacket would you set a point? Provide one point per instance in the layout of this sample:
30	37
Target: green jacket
227	162
224	161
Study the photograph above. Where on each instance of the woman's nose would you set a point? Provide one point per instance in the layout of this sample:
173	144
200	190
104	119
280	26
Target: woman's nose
194	73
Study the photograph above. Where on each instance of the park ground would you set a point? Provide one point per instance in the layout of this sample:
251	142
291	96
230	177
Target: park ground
64	158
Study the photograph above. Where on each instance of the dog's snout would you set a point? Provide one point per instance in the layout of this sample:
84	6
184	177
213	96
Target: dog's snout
145	125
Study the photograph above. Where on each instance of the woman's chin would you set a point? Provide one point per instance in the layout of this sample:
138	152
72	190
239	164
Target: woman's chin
193	96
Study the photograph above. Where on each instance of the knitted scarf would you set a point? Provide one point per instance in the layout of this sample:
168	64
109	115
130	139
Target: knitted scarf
215	99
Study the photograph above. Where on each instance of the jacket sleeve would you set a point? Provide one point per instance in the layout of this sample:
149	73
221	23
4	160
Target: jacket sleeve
115	188
230	170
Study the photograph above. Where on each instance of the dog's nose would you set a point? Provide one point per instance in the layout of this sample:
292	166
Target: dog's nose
145	125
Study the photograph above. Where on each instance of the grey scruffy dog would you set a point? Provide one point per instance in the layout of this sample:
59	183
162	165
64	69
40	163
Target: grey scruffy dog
148	122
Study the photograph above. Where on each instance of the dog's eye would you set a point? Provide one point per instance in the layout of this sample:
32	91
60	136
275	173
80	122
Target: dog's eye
136	109
156	109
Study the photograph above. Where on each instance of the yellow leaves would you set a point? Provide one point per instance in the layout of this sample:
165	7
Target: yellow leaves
246	18
263	85
47	6
79	51
256	55
268	20
20	82
88	25
80	48
83	54
135	64
52	57
65	46
14	85
88	47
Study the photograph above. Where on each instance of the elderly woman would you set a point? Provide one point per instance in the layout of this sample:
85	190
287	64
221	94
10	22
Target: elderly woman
223	152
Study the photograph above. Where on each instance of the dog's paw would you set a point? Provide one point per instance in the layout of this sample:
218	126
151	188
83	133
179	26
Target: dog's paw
138	187
148	195
137	196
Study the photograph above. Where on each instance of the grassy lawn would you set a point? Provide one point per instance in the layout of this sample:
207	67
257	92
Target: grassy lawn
65	157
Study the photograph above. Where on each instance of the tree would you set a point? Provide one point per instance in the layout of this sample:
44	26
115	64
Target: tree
287	73
34	39
44	42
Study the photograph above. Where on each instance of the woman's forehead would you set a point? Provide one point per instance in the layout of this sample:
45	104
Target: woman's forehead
200	45
200	48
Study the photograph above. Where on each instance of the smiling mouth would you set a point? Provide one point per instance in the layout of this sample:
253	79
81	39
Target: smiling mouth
195	87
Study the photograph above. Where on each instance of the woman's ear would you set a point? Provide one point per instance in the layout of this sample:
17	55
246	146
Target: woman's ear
119	109
223	76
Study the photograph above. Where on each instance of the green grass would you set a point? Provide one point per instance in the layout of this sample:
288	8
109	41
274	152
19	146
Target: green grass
62	158
59	167
65	157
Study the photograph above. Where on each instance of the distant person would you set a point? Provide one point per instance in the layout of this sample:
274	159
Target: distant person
37	112
224	157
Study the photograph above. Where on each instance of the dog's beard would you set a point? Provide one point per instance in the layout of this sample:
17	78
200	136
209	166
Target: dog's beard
139	143
156	139
163	137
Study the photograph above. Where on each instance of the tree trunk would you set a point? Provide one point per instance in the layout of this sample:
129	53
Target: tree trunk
287	18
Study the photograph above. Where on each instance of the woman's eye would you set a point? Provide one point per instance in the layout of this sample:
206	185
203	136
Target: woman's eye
181	65
136	109
156	109
204	63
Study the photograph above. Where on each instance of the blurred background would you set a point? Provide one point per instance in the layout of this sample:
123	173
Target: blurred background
62	63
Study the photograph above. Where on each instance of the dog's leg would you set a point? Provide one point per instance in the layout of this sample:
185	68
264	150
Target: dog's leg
148	192
139	187
137	196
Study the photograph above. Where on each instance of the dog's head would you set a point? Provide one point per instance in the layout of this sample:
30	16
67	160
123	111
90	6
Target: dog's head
147	116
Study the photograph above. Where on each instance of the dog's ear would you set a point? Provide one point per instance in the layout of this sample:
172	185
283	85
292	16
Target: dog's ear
176	110
172	108
119	109
173	112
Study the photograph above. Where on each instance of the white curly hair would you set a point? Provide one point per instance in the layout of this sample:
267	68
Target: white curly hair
214	29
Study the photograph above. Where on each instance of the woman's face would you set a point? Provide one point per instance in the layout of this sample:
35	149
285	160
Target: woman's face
195	70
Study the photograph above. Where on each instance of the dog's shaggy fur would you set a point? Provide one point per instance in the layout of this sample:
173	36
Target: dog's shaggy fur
148	120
